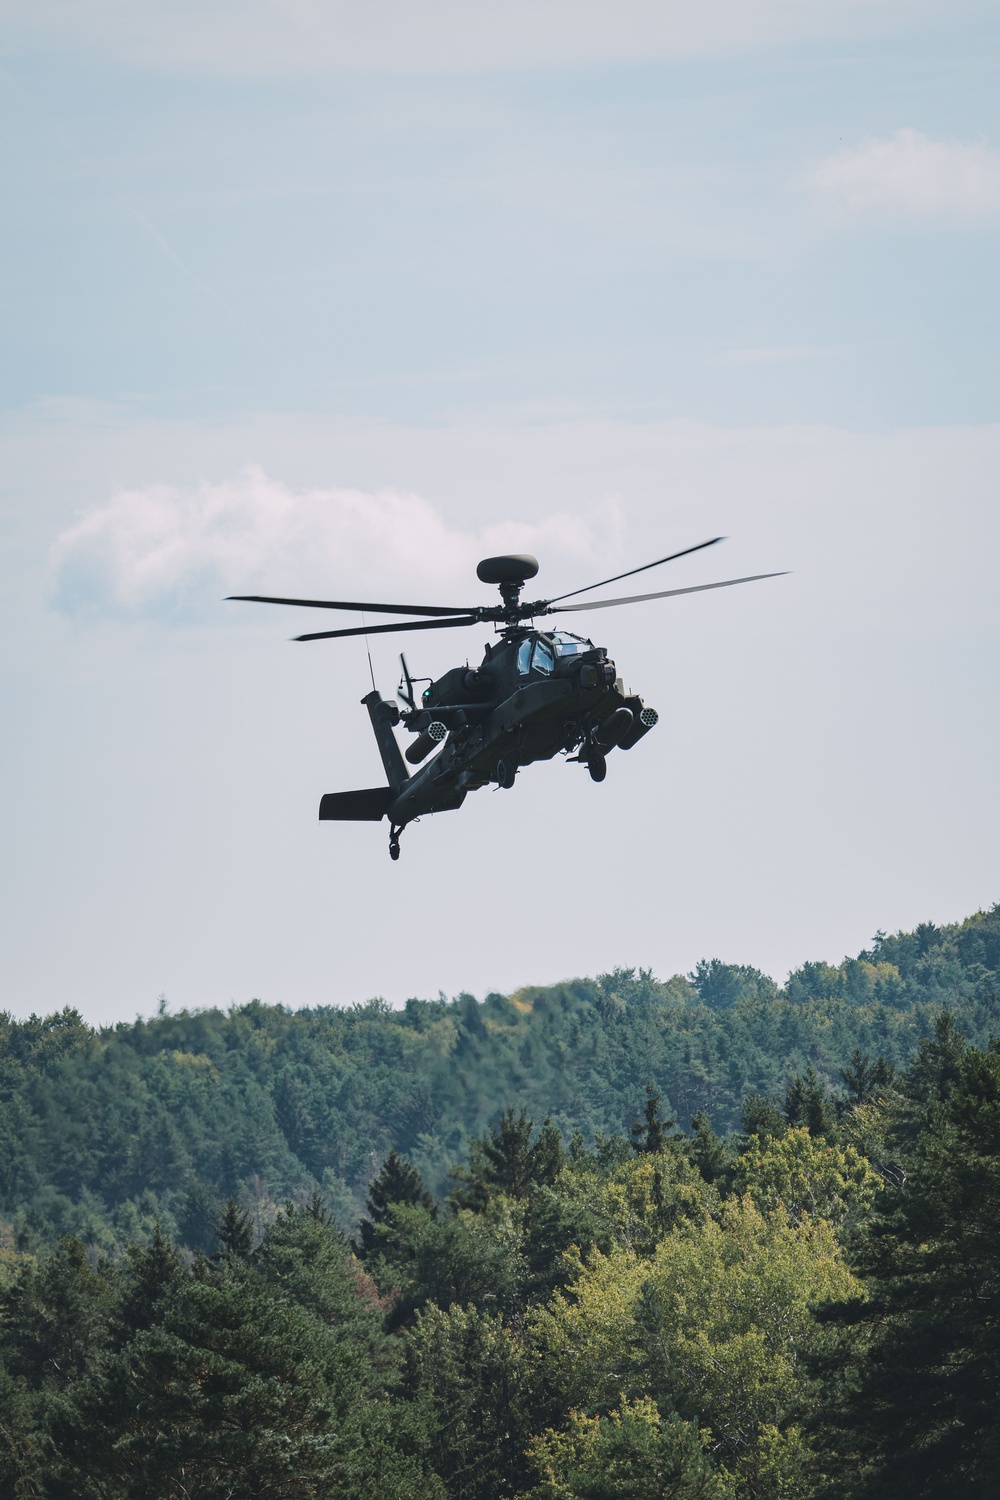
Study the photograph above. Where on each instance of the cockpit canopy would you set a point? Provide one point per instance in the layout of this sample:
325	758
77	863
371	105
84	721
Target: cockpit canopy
537	653
570	645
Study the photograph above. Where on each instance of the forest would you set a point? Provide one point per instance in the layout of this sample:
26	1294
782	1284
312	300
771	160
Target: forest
705	1237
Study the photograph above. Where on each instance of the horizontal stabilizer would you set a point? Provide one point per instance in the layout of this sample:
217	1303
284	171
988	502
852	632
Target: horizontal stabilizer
356	807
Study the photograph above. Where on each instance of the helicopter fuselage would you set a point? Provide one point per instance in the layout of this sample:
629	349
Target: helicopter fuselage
536	694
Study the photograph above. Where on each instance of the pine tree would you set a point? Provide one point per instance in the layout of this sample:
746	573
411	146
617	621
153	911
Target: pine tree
866	1080
650	1133
259	1377
919	1419
398	1182
807	1102
937	1066
509	1155
234	1231
509	1159
56	1316
151	1272
548	1156
761	1117
710	1155
470	1377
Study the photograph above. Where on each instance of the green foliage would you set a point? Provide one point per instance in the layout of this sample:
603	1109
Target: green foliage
234	1232
865	1080
722	986
469	1376
807	1179
650	1133
919	1417
398	1182
509	1159
715	1325
55	1317
808	1103
264	1373
103	1134
638	1201
713	1157
460	1259
633	1451
794	1294
761	1117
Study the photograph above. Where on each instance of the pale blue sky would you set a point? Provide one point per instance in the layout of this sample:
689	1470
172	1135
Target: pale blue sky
598	280
421	245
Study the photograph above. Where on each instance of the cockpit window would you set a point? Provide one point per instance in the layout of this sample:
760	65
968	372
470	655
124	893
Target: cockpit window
543	660
524	658
570	645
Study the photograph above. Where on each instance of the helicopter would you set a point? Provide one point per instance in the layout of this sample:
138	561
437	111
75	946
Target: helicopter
536	694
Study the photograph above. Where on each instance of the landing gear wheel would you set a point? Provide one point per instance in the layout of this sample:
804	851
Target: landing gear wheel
597	766
394	843
506	772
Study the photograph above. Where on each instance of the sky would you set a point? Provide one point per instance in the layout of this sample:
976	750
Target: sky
335	299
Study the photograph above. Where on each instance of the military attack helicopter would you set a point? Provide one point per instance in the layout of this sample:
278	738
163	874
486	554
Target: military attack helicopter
535	694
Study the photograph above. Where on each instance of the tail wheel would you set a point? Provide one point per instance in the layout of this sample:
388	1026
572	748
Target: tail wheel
597	766
506	772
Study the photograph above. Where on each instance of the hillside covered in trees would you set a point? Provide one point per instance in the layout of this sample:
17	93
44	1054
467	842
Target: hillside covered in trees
592	1304
105	1133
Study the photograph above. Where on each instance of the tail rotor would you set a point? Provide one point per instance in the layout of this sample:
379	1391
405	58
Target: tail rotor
405	690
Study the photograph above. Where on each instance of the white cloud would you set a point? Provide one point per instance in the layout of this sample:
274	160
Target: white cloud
909	175
169	551
273	36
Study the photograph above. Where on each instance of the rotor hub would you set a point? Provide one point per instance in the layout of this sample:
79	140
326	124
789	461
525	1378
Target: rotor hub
510	572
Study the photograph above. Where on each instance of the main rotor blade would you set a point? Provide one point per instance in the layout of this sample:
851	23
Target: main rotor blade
659	561
698	588
375	609
329	635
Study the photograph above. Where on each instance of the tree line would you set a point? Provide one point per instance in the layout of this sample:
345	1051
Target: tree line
107	1133
706	1237
806	1307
